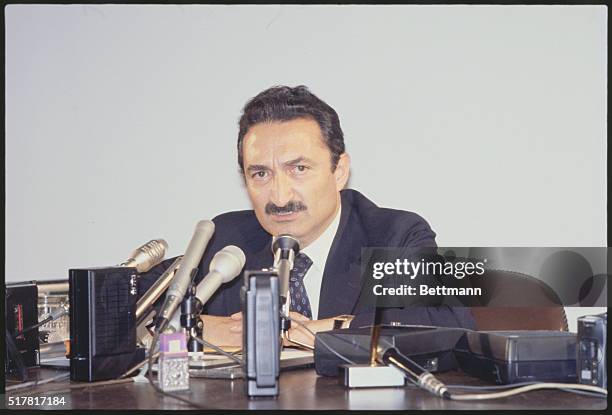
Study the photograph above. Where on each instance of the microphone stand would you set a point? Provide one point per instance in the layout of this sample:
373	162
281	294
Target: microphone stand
285	248
285	324
191	307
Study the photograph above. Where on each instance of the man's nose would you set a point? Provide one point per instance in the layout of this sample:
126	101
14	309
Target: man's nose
282	190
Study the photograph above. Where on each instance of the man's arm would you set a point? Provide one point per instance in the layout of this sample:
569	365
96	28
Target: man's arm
227	331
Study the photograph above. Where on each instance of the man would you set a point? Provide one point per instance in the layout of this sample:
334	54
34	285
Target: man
292	156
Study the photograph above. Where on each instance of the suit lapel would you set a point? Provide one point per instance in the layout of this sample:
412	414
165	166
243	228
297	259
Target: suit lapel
341	283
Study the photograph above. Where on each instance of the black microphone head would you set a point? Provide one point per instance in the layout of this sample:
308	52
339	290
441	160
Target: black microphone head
285	243
284	248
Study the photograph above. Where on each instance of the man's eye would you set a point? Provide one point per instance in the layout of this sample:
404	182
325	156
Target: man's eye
260	174
300	168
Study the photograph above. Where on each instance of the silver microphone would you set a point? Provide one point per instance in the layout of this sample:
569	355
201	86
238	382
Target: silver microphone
147	256
284	248
189	266
224	267
157	289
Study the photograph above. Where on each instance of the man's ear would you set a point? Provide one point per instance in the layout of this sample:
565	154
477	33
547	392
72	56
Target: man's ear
342	171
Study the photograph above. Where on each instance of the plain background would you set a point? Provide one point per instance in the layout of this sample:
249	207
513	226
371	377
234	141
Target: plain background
121	121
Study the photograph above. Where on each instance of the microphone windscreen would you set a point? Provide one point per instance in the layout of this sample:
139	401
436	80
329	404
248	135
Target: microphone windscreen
228	262
147	256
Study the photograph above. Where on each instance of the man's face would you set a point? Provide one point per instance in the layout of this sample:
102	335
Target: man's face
289	178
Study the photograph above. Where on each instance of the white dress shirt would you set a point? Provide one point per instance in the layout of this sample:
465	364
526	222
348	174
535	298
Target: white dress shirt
317	251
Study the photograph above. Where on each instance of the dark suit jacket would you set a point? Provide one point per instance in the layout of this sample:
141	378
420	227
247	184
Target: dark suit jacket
362	224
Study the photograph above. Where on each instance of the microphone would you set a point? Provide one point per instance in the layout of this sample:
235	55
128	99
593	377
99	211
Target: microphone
224	267
157	289
284	248
189	267
147	256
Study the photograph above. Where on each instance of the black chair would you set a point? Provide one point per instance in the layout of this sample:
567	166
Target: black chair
510	298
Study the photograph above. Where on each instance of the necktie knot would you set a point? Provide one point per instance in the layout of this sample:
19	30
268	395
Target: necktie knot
301	264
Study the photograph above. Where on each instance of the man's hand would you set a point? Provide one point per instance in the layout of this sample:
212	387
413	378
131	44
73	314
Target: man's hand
298	333
227	331
223	331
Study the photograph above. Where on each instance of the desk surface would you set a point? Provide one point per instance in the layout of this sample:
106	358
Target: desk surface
299	389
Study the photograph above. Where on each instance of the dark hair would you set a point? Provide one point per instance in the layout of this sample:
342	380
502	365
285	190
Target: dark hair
283	103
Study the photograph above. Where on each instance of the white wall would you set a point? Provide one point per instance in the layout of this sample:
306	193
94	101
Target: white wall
121	121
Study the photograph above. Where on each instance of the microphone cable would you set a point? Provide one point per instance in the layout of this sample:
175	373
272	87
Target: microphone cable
218	350
567	387
37	382
52	317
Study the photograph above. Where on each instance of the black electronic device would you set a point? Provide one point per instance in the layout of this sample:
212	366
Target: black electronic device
261	332
21	312
507	357
591	350
430	347
103	323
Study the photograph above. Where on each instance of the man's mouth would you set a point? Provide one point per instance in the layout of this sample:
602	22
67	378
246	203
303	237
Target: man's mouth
285	216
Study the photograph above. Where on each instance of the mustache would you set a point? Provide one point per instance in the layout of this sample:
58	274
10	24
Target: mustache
272	209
